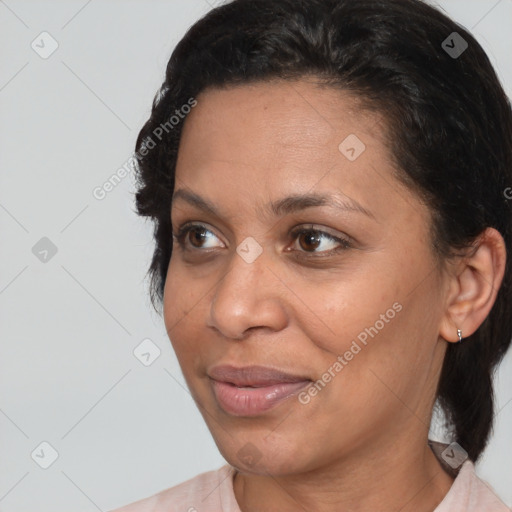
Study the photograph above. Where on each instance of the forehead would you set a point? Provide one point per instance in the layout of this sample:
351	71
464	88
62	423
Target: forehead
302	113
270	139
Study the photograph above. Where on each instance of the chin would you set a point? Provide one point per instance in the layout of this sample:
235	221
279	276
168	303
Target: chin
256	452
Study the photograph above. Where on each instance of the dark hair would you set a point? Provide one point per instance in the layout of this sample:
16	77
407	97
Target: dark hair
450	134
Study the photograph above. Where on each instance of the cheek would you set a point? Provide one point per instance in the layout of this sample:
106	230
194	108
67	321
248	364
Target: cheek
179	301
374	322
182	292
353	306
173	300
385	337
185	310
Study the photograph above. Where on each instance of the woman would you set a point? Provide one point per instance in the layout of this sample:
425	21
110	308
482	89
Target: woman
333	235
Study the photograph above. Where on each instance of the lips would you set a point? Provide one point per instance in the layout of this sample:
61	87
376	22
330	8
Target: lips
252	390
252	376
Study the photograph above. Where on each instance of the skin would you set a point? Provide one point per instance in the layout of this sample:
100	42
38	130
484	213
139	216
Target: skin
361	442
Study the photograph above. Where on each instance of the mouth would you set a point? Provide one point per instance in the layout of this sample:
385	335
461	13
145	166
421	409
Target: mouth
252	390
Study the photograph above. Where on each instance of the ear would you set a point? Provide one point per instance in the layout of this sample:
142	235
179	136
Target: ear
474	286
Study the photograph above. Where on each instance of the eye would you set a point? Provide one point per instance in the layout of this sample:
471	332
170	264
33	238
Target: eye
309	239
200	235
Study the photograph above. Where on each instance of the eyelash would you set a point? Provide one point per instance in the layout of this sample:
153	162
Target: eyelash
344	244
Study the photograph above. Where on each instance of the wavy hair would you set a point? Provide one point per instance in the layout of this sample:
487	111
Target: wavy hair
450	134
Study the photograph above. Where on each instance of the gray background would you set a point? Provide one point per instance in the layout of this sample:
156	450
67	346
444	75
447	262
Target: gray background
69	325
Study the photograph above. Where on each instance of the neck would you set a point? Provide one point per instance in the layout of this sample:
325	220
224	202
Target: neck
397	478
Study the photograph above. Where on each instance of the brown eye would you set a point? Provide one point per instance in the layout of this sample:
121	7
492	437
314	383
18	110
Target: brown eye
192	237
310	239
199	234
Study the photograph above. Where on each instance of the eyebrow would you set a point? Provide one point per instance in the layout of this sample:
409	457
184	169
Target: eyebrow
281	207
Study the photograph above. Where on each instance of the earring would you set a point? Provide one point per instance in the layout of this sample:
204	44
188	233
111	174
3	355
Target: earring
459	334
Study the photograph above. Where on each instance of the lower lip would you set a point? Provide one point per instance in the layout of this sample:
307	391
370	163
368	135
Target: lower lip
253	401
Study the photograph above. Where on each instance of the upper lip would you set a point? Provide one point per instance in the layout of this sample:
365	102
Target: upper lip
255	376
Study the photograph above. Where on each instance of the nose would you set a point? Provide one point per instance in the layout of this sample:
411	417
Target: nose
249	296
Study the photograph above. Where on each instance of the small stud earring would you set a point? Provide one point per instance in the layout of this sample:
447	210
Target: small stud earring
459	334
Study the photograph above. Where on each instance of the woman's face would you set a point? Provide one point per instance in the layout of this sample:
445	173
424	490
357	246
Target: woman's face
359	317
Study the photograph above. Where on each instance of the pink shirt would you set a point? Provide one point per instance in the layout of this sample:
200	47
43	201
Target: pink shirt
213	492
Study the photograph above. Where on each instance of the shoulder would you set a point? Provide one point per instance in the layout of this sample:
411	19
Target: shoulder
471	494
209	491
